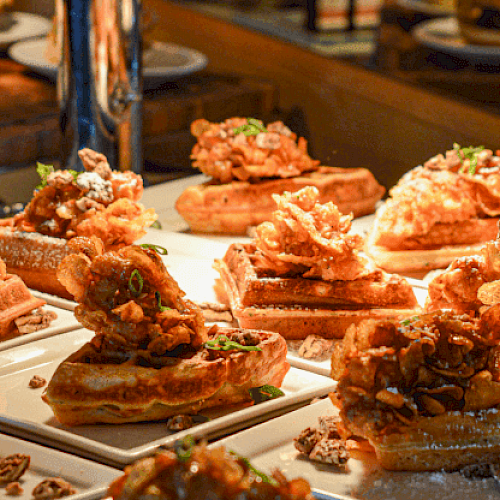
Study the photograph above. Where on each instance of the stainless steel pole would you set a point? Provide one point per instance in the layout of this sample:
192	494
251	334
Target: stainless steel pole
100	80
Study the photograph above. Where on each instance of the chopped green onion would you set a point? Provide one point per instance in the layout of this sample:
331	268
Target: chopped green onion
265	393
252	127
265	478
157	248
184	448
137	275
160	307
222	343
471	154
407	321
43	171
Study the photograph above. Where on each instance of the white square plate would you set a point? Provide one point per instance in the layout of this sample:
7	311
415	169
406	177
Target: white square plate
64	322
270	445
23	413
89	479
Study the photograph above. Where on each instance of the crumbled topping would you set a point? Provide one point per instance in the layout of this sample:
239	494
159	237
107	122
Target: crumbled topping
95	187
37	382
36	320
14	489
13	467
52	488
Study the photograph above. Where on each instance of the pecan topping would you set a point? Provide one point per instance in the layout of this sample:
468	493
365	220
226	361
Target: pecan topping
52	487
324	443
179	423
330	451
36	382
14	489
13	467
391	372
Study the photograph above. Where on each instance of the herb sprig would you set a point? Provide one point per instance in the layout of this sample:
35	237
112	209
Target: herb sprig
471	153
265	393
407	321
184	448
265	478
136	276
157	248
158	301
45	170
252	127
223	343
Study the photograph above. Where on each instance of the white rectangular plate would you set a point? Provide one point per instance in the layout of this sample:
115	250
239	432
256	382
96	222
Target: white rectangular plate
270	445
22	411
89	479
64	322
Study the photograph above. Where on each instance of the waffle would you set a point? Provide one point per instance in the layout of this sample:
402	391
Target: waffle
296	307
234	207
34	257
15	301
439	211
424	392
95	387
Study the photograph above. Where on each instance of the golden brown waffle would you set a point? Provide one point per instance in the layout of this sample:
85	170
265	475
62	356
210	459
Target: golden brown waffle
424	391
234	207
15	301
297	307
92	386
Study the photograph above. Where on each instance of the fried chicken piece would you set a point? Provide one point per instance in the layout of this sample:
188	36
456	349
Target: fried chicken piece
199	472
308	238
129	299
98	201
461	285
445	190
244	149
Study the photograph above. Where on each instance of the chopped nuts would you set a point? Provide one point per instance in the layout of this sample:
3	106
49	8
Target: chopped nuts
51	488
316	347
13	467
14	489
36	382
324	443
179	423
330	451
391	373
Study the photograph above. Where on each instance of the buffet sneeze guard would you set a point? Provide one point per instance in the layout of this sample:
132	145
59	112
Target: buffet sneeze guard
100	80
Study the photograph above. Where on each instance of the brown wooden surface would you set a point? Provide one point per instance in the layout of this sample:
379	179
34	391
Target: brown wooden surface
29	114
354	116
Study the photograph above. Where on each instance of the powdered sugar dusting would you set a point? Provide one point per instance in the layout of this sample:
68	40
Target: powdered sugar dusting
33	250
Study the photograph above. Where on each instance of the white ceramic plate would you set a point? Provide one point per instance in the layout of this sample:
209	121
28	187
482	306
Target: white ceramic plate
163	62
270	445
64	322
23	413
90	479
21	25
68	305
443	35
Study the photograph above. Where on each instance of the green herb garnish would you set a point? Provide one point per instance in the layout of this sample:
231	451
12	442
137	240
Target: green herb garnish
157	248
156	224
222	343
131	286
184	448
407	321
265	393
470	154
158	300
265	478
43	171
252	127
